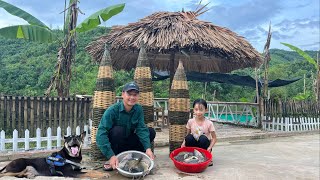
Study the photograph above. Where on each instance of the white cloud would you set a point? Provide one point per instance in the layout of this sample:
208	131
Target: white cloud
293	21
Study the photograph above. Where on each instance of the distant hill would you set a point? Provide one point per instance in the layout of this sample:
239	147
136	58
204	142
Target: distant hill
281	56
26	69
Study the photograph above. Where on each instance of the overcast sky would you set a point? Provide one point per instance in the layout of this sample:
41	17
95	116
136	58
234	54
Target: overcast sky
293	21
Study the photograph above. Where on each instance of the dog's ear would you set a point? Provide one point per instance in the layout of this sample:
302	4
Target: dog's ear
65	137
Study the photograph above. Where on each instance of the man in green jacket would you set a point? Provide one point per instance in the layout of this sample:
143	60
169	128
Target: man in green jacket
122	128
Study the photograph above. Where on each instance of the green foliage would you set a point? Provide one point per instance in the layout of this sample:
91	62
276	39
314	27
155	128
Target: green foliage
35	31
94	20
21	14
303	54
301	96
38	31
28	32
26	69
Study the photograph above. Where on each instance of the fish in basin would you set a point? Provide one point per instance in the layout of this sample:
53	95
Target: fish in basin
135	163
190	157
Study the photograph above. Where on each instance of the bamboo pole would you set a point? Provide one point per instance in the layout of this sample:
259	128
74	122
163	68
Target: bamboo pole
304	84
260	109
266	63
318	80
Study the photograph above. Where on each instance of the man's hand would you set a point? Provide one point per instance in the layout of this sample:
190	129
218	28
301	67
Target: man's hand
114	162
150	153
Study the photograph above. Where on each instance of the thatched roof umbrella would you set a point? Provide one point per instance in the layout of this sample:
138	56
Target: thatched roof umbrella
174	36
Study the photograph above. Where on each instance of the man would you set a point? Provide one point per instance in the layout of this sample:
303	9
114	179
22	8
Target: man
122	128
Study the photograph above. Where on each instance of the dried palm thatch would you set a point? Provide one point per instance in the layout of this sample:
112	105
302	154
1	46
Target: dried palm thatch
175	35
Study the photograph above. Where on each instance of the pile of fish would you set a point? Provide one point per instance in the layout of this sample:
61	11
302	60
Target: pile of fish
190	157
135	163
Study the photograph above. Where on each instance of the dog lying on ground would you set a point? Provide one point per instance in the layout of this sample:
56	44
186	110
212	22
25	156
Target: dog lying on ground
65	162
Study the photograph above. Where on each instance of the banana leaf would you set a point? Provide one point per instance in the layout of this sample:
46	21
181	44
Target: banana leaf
302	53
94	20
28	32
21	13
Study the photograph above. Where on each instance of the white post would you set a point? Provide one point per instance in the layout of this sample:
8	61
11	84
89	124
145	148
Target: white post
309	123
3	137
314	123
78	130
26	140
303	124
281	123
15	140
286	123
38	138
68	131
49	141
58	137
291	124
273	124
166	105
86	138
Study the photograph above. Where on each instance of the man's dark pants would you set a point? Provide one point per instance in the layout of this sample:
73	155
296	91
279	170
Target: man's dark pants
120	143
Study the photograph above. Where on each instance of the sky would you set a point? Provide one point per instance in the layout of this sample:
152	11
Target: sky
292	21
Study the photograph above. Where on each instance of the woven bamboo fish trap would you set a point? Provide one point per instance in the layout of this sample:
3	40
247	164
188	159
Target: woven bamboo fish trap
142	76
179	107
104	96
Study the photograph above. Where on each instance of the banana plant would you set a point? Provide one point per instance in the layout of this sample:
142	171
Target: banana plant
311	61
303	54
37	31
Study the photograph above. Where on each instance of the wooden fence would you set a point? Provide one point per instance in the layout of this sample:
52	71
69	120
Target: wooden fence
30	113
290	115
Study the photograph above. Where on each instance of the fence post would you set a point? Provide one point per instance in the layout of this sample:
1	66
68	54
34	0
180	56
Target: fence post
49	139
38	138
78	130
58	137
86	138
90	124
26	140
68	131
15	140
2	137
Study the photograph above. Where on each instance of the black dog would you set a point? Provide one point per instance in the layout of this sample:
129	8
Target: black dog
65	162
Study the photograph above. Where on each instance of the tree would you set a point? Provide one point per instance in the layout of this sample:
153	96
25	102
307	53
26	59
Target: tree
38	31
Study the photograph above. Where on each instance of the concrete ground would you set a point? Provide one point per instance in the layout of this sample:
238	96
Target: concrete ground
242	153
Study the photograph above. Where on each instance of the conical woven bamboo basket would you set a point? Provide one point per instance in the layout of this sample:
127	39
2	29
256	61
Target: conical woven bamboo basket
104	96
142	76
179	107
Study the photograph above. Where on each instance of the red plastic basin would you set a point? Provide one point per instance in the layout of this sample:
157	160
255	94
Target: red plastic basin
191	168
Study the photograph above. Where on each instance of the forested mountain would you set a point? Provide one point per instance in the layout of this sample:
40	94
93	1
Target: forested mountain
26	69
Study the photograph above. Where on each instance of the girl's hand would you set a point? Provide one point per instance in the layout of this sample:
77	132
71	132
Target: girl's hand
209	149
183	145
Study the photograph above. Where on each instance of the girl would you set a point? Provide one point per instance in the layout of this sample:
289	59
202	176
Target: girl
200	131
